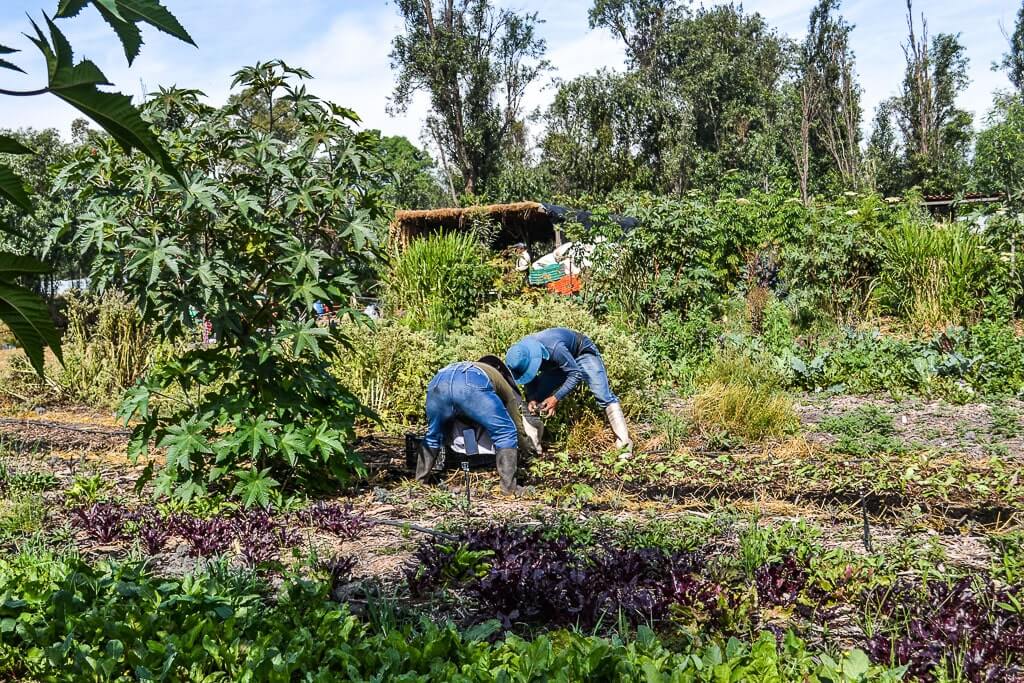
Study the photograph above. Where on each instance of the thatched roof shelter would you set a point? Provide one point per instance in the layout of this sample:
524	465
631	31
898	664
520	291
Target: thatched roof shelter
520	222
526	222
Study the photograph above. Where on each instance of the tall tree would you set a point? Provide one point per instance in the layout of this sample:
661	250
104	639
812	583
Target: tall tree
607	131
642	25
885	158
826	99
999	152
413	182
1013	60
936	133
475	62
727	67
830	55
709	82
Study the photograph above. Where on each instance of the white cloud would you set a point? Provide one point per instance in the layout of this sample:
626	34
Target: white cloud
351	66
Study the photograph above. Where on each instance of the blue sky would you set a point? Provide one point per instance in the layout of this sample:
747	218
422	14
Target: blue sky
345	44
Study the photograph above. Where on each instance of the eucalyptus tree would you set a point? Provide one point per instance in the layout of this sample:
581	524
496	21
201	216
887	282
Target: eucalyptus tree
476	63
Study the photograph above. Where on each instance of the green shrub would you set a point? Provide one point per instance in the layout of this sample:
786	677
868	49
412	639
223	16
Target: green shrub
388	367
438	283
832	256
680	347
935	274
252	264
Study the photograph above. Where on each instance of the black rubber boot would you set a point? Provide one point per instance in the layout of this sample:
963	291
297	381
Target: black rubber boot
507	460
425	463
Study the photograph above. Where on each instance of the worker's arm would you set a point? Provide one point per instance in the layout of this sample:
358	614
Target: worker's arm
561	356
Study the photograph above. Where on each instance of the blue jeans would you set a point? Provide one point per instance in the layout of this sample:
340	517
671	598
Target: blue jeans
463	390
589	360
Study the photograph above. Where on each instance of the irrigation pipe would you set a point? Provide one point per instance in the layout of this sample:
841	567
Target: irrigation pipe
49	424
399	524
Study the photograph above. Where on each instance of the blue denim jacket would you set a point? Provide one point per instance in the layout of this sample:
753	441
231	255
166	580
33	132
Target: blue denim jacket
570	358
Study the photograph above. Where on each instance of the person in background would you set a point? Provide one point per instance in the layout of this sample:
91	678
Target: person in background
553	362
483	395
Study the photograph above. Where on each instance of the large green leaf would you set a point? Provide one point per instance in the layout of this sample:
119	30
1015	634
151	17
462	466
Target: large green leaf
154	14
15	265
12	188
127	32
25	312
9	145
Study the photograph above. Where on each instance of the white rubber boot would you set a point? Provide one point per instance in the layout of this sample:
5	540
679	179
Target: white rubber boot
618	422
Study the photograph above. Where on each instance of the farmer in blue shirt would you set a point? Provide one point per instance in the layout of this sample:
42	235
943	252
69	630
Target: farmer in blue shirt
484	394
552	362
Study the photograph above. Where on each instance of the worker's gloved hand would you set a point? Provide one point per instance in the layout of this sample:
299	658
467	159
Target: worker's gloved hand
548	406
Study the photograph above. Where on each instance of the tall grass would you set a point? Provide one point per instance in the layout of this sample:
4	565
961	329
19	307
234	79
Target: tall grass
934	275
740	411
438	283
107	348
388	368
742	399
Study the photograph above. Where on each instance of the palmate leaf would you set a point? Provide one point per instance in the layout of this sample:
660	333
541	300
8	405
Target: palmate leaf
156	15
116	115
127	32
12	188
25	312
4	64
124	16
254	487
184	440
76	85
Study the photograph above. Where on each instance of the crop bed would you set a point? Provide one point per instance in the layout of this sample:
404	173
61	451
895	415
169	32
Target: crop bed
904	554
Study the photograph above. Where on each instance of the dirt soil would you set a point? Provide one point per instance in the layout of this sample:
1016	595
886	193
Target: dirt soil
69	443
935	425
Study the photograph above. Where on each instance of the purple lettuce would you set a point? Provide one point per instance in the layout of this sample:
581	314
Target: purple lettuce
103	522
969	622
335	519
205	537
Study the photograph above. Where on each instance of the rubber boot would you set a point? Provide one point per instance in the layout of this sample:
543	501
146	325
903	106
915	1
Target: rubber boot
425	463
507	460
618	422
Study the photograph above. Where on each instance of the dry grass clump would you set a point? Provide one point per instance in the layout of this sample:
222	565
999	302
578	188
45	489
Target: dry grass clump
740	411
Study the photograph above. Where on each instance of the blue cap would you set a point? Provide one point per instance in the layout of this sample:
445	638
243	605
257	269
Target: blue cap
524	359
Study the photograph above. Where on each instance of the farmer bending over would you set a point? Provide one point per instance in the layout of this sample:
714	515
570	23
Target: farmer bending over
552	362
484	394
